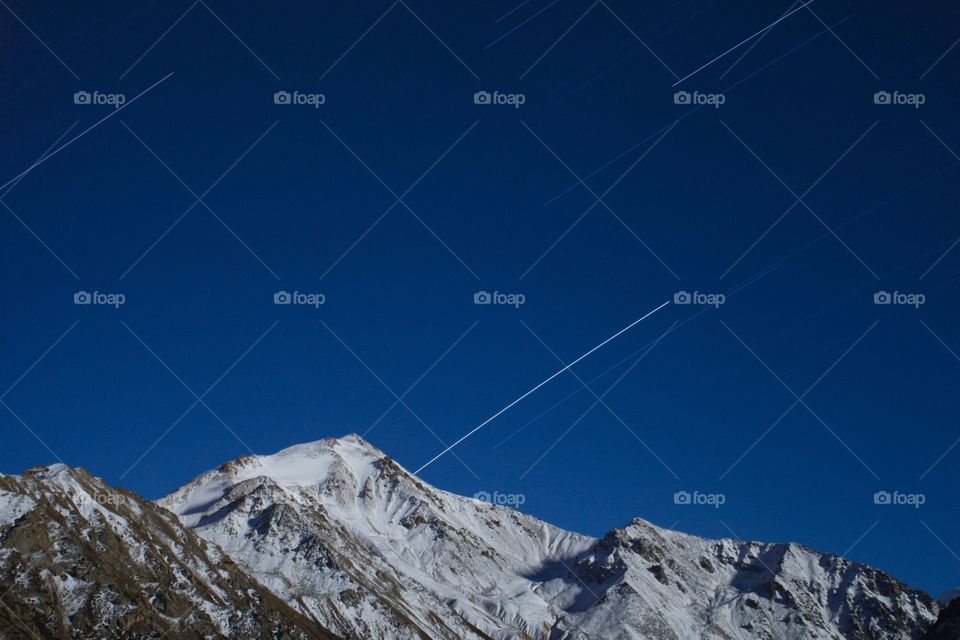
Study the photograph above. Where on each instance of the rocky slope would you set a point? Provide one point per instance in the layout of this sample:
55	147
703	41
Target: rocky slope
79	559
351	540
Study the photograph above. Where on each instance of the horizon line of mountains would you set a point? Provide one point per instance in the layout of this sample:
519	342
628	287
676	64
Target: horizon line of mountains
334	540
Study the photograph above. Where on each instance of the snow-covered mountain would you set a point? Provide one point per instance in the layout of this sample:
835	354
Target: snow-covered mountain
333	539
347	536
351	540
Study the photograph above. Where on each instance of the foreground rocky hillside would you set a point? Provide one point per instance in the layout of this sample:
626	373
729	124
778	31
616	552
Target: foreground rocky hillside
79	559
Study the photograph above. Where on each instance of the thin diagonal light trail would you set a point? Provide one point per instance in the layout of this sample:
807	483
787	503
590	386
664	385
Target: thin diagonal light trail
534	389
696	109
82	133
740	44
640	352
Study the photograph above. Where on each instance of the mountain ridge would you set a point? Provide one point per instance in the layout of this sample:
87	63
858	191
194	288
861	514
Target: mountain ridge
536	581
333	538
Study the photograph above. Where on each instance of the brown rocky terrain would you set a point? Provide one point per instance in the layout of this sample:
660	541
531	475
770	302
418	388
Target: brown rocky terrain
79	559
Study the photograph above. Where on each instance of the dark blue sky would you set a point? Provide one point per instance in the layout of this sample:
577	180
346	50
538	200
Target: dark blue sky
487	189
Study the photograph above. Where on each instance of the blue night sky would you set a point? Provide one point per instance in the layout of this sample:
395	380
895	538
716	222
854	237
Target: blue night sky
399	198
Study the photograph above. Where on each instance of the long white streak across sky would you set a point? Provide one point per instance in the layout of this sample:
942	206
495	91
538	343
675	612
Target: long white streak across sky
506	408
737	46
82	133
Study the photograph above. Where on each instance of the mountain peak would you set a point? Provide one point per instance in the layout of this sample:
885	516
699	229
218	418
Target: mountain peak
342	444
302	464
348	460
46	471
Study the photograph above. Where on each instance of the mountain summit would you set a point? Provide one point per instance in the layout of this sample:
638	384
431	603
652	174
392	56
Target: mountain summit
333	539
349	536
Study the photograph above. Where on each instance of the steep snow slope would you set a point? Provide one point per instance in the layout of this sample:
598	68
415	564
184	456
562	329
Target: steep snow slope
346	536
